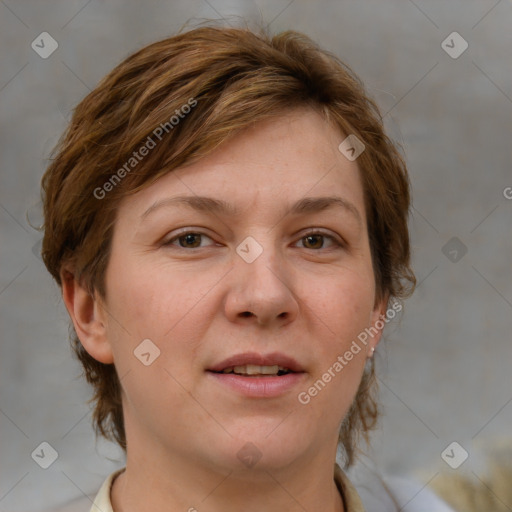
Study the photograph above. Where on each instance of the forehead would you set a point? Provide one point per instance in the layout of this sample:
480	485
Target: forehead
274	162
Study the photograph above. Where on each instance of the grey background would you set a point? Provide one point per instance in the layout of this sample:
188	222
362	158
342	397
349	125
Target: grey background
444	369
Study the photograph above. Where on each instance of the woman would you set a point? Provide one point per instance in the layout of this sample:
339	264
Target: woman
228	223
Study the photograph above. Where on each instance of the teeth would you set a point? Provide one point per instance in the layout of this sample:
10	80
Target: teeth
253	369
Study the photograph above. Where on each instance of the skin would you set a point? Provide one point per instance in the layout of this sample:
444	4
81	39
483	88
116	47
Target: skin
200	302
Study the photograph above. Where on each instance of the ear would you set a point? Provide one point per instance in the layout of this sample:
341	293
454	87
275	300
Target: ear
88	317
378	317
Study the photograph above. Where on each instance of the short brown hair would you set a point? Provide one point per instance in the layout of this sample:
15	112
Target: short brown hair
233	77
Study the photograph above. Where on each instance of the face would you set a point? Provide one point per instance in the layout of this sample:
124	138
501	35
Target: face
248	298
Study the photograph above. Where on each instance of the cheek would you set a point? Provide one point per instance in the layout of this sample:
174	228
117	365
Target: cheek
164	307
162	304
344	304
155	299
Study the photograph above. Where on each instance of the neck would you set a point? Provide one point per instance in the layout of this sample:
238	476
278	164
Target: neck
182	485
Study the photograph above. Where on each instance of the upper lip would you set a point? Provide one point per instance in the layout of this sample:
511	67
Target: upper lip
272	359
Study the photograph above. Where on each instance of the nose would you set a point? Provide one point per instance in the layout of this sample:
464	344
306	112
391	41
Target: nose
261	292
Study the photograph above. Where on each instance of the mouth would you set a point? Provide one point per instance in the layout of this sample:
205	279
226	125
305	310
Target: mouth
256	375
253	370
252	364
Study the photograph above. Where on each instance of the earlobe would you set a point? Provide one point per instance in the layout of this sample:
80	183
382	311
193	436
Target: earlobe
378	321
88	318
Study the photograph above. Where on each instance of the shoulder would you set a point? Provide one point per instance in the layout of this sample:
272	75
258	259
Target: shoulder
82	504
387	493
412	496
99	502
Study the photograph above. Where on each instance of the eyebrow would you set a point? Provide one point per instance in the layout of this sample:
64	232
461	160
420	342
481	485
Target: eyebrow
211	205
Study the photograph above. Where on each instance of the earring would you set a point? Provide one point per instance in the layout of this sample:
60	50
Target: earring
372	351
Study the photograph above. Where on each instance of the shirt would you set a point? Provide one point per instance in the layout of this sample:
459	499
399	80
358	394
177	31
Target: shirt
351	500
363	488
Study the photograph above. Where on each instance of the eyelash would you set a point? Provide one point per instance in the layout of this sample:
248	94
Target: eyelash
169	243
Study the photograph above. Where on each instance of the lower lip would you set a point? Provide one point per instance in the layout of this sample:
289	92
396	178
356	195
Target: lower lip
259	387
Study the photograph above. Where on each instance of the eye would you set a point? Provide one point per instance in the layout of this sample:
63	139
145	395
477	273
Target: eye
187	240
315	240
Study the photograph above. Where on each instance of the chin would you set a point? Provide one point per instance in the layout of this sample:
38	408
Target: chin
257	447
